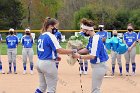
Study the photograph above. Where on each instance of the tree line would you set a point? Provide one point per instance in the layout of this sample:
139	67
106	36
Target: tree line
114	14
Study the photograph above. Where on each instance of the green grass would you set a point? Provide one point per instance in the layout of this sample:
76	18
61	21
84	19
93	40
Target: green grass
3	48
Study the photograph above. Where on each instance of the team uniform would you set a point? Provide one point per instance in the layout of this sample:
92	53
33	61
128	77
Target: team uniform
0	58
83	67
12	42
129	39
98	64
58	35
46	66
114	56
103	34
27	51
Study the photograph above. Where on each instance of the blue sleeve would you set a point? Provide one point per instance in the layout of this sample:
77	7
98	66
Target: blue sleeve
105	35
124	37
22	41
60	36
138	36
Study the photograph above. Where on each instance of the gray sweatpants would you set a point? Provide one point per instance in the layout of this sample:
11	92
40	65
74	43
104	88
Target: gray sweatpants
98	72
47	75
27	52
12	55
130	56
115	56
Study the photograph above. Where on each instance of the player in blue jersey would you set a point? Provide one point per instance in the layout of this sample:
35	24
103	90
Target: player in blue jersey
12	43
58	35
1	71
47	50
27	51
102	32
115	55
98	55
130	38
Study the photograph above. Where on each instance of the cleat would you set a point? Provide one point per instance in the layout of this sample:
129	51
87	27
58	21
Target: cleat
24	72
85	72
31	72
15	72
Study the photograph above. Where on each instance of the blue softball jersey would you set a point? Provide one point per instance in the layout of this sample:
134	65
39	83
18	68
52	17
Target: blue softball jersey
130	38
46	46
11	41
97	49
27	41
138	37
103	34
58	35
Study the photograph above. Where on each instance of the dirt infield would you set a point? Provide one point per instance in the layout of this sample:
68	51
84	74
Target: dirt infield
69	79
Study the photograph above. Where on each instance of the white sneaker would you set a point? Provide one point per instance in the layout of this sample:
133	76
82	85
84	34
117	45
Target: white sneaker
81	72
133	74
24	72
31	72
127	74
2	72
85	72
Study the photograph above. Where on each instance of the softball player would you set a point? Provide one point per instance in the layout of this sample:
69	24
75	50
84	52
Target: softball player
98	55
102	33
130	39
83	65
1	71
58	35
115	55
47	49
27	51
12	43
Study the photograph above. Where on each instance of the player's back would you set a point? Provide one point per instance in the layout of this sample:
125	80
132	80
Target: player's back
46	49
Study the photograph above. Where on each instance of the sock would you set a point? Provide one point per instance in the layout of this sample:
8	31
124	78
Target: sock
113	68
0	66
38	91
120	69
31	65
14	67
133	67
81	66
86	65
127	67
24	66
57	63
10	66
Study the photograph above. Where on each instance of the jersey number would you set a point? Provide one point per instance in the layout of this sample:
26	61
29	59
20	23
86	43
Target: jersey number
40	45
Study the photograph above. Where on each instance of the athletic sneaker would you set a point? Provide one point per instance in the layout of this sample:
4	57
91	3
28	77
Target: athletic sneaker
81	72
133	74
2	72
31	72
85	72
24	72
15	72
127	74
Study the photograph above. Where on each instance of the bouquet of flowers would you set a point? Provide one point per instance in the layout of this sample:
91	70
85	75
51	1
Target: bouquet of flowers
75	42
